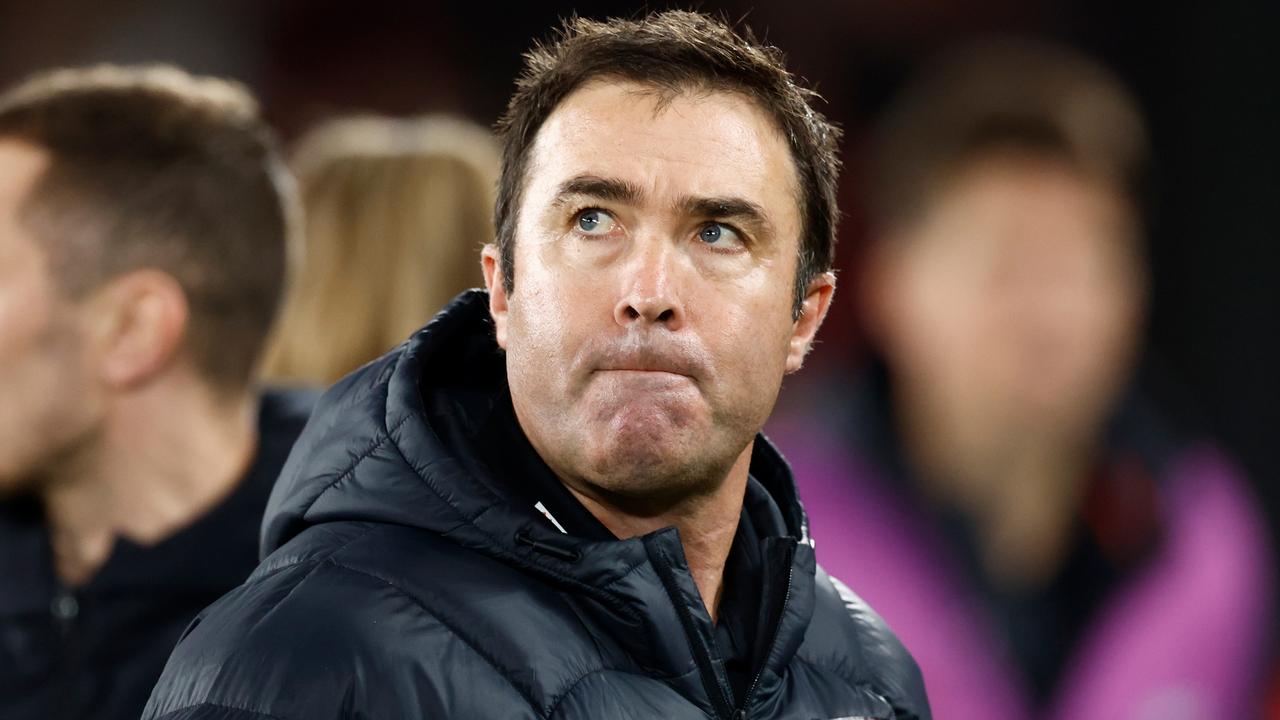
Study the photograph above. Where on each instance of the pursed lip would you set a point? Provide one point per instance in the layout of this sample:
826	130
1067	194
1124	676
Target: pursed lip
648	359
648	363
644	371
636	383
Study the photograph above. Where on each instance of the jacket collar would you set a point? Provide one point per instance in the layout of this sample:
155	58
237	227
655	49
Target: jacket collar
415	411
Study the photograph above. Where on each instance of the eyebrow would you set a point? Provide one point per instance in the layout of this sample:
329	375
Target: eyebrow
730	208
743	211
600	188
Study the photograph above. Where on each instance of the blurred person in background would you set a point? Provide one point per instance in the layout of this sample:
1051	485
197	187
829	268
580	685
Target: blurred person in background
396	212
1046	543
144	218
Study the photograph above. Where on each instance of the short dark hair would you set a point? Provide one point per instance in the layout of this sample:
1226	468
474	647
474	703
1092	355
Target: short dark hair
674	51
1029	97
152	167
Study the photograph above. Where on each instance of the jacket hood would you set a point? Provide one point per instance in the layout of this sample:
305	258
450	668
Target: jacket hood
392	443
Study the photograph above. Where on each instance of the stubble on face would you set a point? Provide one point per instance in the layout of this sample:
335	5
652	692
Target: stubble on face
644	360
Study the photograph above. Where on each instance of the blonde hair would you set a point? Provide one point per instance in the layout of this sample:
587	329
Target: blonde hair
396	213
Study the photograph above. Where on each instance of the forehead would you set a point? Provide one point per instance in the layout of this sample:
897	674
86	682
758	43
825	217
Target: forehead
1038	201
692	143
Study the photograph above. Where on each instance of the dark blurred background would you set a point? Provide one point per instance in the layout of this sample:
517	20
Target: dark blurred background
1205	73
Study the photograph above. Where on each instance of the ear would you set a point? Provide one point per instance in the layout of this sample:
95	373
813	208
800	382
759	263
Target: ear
140	320
491	265
817	300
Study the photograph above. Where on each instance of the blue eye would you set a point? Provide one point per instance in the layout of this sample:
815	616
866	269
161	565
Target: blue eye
595	222
719	235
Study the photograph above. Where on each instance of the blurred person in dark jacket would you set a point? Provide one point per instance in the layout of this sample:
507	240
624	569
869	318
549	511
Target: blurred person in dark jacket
143	223
554	501
396	211
1046	541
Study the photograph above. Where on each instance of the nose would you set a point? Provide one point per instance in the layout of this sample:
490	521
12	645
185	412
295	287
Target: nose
650	294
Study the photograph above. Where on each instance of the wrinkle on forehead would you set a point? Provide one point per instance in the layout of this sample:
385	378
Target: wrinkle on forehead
745	137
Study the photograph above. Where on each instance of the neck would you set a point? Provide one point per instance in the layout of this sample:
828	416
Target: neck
165	455
706	523
1021	484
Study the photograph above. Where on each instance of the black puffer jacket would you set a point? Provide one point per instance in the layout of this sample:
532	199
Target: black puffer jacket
404	581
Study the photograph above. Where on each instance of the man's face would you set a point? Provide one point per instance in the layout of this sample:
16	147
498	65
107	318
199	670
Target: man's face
655	255
43	375
1018	297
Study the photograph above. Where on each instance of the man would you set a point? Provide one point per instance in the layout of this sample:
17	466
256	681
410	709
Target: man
553	501
143	225
1054	545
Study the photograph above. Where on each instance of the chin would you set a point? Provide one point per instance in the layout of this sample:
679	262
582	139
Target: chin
653	471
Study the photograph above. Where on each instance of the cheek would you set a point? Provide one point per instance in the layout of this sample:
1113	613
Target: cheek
546	326
749	334
1106	330
38	338
25	315
48	399
545	307
936	321
562	282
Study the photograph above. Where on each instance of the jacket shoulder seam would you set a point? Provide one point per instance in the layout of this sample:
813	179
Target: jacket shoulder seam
301	562
222	706
851	604
813	663
487	657
874	670
864	685
555	706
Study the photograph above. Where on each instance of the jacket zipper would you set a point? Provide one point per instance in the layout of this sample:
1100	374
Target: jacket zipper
716	690
741	713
